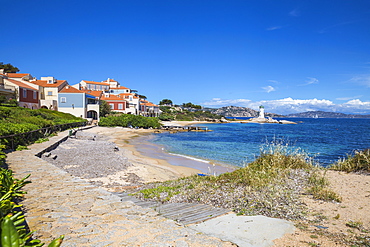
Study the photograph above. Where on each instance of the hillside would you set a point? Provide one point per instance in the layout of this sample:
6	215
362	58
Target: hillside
237	111
322	114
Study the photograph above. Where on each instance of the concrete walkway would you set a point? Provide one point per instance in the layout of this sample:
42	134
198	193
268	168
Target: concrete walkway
60	204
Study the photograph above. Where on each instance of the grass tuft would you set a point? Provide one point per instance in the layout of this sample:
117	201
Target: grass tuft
359	162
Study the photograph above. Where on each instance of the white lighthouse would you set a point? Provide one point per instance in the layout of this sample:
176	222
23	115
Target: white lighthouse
262	112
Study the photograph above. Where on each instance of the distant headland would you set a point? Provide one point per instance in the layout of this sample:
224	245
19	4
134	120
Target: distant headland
238	111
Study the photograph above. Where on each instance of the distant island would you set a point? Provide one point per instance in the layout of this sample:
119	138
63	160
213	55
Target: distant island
238	111
323	114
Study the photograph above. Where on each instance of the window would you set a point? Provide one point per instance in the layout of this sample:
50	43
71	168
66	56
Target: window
63	100
24	93
34	95
50	93
111	106
120	106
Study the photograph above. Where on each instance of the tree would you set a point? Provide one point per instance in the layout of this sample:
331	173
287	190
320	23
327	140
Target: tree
142	97
165	102
8	68
191	105
104	108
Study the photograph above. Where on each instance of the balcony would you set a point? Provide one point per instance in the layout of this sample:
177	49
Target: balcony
6	89
93	107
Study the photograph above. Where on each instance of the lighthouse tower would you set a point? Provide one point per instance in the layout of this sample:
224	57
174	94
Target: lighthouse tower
262	112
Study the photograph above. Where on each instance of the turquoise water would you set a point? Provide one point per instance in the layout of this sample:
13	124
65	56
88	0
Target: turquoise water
326	140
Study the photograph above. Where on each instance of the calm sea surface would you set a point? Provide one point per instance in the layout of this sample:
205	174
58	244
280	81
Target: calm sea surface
325	139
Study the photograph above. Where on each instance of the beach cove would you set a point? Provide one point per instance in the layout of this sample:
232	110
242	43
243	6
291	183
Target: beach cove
47	210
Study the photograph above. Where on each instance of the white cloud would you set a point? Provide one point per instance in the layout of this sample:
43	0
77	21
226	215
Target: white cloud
290	105
273	81
361	79
349	98
269	89
274	28
311	80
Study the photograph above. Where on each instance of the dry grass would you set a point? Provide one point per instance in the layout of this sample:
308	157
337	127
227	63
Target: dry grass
359	162
271	185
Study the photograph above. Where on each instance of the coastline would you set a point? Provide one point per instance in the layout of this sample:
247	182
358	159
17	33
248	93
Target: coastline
149	162
327	226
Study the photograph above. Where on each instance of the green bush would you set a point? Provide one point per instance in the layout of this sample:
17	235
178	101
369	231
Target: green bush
17	120
129	120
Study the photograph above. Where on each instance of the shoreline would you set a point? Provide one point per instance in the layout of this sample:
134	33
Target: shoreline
328	221
149	161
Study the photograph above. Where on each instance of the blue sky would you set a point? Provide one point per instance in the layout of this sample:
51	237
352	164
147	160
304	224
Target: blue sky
290	56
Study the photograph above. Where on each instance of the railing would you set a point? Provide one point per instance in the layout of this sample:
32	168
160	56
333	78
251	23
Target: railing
26	138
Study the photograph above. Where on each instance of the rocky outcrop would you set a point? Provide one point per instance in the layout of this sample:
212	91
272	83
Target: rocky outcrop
238	111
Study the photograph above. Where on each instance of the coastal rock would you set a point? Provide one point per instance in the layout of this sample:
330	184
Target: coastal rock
266	120
237	111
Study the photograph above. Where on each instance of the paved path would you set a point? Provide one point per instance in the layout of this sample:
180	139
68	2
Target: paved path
58	203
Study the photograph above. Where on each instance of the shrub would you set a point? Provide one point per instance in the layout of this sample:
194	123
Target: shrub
360	162
129	120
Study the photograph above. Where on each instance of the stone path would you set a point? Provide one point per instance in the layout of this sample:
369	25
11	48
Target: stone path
59	204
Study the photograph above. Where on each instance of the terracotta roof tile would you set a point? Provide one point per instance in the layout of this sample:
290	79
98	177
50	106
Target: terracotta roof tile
120	87
95	82
21	84
69	89
46	84
16	75
111	97
92	92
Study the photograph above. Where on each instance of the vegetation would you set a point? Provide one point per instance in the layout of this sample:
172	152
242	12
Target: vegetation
16	120
8	102
191	105
104	108
13	229
8	68
359	162
129	120
165	102
180	114
271	185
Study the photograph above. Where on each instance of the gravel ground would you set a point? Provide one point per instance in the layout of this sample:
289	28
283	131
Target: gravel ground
90	156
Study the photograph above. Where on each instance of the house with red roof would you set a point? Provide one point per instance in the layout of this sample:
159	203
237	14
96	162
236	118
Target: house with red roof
148	109
20	76
92	85
49	87
78	103
96	94
133	103
26	95
115	102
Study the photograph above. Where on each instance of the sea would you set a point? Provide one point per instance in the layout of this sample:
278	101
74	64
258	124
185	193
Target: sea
325	140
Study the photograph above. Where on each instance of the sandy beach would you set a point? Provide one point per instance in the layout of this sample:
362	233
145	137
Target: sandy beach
328	221
147	162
